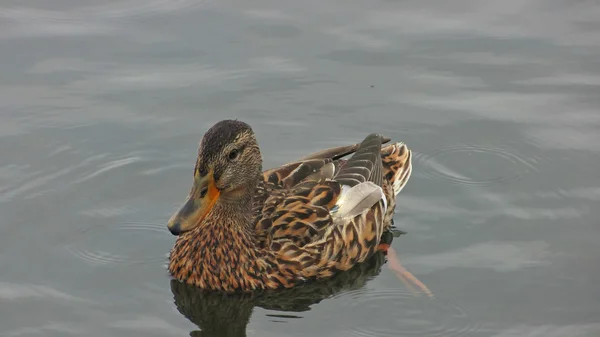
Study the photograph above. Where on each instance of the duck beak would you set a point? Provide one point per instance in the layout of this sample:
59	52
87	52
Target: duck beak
197	205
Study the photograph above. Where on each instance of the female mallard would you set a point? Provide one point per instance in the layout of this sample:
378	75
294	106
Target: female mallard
242	229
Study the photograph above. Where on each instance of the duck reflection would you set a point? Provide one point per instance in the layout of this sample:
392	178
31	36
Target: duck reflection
218	314
227	315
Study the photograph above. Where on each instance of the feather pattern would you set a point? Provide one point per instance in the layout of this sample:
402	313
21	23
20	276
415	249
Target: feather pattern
308	220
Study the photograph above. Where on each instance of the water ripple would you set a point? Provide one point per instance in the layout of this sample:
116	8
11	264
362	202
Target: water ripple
417	317
120	244
133	8
513	165
22	182
499	256
109	166
125	9
21	291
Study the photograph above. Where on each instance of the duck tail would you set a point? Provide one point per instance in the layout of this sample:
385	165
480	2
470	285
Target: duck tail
397	165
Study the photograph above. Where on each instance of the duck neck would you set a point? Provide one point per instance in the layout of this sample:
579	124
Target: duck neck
233	217
237	203
235	206
231	225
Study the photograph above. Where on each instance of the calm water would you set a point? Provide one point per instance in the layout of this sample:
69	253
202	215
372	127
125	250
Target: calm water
102	106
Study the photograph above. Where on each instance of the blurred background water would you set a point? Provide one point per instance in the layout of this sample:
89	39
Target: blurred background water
102	105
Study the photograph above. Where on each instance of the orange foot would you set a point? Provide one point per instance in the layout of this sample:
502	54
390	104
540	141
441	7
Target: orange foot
404	275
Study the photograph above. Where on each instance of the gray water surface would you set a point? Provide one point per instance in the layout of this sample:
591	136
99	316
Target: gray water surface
102	105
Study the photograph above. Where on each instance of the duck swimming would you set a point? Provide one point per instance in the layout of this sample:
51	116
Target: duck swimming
243	229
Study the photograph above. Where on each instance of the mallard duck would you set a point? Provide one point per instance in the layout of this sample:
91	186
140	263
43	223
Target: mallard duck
243	229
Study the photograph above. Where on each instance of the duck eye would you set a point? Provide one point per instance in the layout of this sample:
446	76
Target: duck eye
233	154
203	192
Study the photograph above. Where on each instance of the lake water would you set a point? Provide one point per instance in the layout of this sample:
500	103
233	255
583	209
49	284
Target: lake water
102	105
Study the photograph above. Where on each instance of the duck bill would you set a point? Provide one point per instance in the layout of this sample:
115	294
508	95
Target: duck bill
196	206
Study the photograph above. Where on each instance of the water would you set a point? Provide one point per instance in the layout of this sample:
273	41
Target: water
102	105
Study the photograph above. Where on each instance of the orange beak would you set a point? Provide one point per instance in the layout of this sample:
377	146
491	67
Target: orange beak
197	205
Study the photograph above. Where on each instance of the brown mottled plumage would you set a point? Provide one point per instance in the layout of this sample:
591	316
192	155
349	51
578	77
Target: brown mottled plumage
242	229
227	315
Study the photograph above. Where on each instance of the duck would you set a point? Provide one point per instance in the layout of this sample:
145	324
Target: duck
245	229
